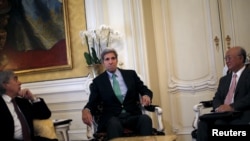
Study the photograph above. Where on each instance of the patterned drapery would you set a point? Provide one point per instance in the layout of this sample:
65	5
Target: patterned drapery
35	24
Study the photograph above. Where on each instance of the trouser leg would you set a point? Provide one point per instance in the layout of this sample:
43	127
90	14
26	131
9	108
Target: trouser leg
202	131
114	128
141	124
144	125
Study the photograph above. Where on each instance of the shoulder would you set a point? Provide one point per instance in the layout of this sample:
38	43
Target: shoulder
127	71
246	72
101	77
226	77
247	69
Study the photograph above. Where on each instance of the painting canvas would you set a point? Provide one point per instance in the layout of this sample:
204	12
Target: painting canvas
33	37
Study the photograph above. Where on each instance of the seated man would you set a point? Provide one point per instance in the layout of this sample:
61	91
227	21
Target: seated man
119	91
233	94
18	108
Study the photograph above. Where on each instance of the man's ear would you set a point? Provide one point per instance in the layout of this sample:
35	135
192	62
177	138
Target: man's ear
4	85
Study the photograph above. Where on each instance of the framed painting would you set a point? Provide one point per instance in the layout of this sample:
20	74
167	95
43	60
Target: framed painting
34	36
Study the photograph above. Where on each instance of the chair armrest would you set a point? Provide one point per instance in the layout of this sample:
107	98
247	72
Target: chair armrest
58	122
197	110
207	104
158	112
91	130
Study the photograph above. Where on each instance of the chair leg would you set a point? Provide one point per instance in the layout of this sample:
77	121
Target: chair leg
63	130
65	135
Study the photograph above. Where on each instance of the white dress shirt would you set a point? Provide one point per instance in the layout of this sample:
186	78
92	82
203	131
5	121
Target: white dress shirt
120	80
17	124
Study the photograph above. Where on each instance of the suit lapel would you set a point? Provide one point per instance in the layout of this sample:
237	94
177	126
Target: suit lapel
125	77
5	111
241	80
106	85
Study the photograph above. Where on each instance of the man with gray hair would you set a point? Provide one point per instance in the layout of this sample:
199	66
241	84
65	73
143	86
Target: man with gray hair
18	108
119	91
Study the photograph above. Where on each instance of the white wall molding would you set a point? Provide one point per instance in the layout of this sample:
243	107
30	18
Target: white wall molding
55	86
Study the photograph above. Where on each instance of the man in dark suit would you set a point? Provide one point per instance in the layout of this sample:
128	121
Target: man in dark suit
118	114
240	100
31	107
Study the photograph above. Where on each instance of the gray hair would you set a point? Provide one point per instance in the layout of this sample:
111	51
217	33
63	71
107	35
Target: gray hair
4	78
106	51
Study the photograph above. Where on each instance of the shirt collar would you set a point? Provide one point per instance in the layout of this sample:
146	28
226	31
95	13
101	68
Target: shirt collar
6	98
117	73
239	72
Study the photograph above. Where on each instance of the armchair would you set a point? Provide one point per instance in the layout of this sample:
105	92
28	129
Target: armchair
199	109
211	115
47	128
92	131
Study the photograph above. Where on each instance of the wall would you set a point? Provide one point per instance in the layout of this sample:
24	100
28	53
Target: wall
186	58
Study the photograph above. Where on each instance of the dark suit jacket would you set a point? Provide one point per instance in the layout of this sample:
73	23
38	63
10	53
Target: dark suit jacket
102	90
242	93
37	110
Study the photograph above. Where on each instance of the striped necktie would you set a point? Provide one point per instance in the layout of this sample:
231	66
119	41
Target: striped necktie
230	94
24	124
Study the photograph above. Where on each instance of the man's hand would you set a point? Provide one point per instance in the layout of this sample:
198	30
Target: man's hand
87	117
26	93
145	100
224	108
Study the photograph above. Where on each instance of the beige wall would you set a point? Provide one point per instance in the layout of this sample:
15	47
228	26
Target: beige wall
157	65
151	56
76	22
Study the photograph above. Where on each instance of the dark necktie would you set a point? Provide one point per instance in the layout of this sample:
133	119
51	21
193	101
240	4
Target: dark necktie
24	124
230	94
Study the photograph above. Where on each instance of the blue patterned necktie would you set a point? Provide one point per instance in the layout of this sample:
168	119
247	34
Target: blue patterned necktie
116	88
